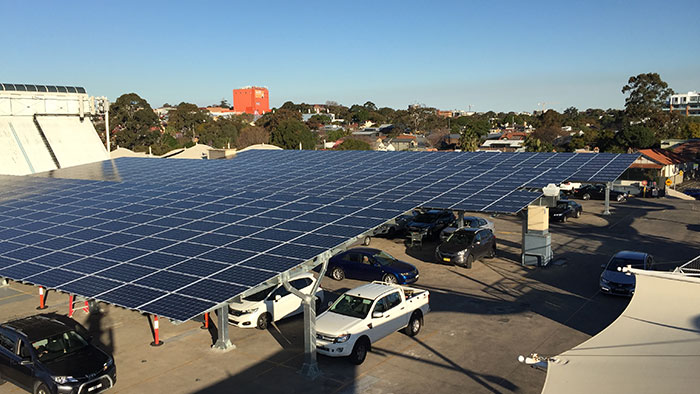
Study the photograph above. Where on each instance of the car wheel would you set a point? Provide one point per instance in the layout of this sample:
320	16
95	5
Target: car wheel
42	389
337	273
492	252
389	278
470	261
563	219
586	196
620	197
578	214
366	241
359	351
263	321
414	325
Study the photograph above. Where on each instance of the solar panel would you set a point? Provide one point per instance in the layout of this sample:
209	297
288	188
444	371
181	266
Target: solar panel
165	259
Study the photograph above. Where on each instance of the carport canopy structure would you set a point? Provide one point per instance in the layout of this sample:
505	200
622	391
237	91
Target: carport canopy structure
180	238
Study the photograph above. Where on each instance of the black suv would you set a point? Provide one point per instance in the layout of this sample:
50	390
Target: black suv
52	354
430	223
597	192
466	245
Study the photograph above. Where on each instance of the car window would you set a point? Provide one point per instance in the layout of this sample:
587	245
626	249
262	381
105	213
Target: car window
472	223
381	305
352	306
353	257
478	236
392	300
366	260
58	345
24	350
281	291
300	283
482	222
461	237
384	258
7	343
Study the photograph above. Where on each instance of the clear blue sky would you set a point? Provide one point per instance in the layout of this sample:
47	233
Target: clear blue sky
494	55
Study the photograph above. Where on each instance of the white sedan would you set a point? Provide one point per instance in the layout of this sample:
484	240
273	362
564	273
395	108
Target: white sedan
271	304
471	222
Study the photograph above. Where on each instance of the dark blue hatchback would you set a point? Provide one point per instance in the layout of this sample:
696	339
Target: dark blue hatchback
371	264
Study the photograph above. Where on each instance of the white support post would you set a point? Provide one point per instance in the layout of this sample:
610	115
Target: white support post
310	368
107	136
224	342
608	186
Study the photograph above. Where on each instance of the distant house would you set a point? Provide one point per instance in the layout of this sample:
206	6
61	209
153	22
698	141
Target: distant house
217	112
504	145
659	165
404	142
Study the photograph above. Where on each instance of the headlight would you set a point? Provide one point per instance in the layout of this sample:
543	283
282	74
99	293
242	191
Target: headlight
605	281
461	252
342	338
64	379
252	310
108	364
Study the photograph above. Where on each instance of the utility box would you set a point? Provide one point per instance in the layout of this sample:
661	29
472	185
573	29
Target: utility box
537	219
537	249
537	241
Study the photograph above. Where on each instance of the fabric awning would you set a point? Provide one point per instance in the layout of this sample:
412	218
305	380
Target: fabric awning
653	347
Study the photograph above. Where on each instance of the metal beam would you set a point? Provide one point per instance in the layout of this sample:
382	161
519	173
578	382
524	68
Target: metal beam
608	186
224	342
310	368
460	219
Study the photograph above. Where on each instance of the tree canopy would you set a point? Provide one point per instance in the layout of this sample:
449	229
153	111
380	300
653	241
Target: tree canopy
134	124
353	144
186	117
289	133
647	95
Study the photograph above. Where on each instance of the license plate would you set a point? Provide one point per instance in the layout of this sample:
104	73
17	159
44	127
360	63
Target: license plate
445	259
95	387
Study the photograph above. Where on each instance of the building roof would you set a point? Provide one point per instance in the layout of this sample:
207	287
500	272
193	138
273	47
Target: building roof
652	347
689	149
663	156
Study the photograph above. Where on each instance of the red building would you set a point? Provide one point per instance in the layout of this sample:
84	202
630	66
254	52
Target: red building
251	100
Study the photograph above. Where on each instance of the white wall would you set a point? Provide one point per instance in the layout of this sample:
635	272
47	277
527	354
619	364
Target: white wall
73	141
22	150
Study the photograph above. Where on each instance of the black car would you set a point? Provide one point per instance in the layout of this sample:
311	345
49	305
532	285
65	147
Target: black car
47	354
466	245
430	223
371	264
597	192
565	209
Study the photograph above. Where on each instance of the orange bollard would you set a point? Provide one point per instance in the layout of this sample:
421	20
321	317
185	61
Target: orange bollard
42	300
156	340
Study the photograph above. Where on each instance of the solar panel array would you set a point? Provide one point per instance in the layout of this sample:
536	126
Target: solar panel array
175	254
177	238
474	181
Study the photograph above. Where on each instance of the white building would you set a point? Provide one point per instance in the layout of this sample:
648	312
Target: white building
44	128
686	103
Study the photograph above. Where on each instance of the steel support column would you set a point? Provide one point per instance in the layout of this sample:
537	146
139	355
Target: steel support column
608	186
224	342
460	219
310	368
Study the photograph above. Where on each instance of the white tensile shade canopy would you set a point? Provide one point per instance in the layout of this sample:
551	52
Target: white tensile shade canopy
653	347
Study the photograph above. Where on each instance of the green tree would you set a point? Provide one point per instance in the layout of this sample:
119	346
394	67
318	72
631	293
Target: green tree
252	135
647	95
220	133
134	124
637	136
533	144
469	141
334	135
476	124
353	144
290	133
186	117
271	120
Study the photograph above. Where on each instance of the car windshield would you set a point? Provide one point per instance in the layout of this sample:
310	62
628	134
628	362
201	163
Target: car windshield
384	258
425	218
617	262
471	222
259	296
461	238
352	306
59	345
562	205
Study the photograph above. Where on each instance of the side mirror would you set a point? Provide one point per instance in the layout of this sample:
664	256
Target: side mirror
377	315
278	297
26	361
602	266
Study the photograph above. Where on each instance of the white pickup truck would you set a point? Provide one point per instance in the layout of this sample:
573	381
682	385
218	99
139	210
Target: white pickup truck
366	314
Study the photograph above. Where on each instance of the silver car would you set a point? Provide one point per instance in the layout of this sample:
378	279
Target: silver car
614	281
469	222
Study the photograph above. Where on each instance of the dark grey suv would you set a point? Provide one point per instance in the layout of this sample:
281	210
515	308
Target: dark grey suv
51	354
466	245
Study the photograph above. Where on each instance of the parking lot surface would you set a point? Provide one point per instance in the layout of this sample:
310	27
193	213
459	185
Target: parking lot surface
481	320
